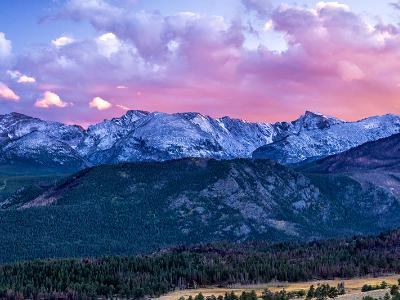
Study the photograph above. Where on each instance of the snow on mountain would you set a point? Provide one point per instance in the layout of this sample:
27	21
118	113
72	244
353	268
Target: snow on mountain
335	137
41	149
144	136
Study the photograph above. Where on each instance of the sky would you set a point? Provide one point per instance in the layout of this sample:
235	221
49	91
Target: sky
82	61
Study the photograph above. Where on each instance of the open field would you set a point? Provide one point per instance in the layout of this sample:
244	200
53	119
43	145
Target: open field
353	288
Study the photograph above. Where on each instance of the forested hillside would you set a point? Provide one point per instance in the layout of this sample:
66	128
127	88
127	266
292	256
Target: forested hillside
188	267
138	208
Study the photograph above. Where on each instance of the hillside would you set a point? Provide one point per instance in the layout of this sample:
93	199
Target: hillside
208	265
139	208
374	163
383	154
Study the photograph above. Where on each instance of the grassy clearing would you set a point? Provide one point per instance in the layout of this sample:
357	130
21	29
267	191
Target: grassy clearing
353	287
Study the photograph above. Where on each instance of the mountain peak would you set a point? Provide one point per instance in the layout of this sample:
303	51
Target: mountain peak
313	120
136	112
313	114
16	115
130	117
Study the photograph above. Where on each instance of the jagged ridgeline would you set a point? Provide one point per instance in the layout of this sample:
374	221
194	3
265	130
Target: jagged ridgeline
209	265
139	208
142	136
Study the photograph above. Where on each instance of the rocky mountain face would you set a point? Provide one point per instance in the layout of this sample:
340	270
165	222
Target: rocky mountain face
136	136
142	207
144	136
374	163
380	155
319	136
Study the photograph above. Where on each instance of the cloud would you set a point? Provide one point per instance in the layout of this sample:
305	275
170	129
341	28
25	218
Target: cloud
62	41
26	79
154	36
108	44
7	94
123	107
19	77
51	99
269	25
262	7
350	71
5	47
396	5
187	61
332	5
100	104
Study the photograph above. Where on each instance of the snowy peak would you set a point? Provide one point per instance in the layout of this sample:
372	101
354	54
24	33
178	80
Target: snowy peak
318	136
314	121
156	136
130	117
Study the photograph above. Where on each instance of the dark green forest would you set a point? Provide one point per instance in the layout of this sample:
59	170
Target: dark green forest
189	267
139	208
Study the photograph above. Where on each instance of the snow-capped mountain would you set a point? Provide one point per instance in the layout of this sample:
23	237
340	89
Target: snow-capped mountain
327	136
144	136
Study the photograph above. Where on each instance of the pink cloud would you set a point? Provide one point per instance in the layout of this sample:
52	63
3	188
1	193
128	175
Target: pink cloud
335	63
100	104
51	99
8	94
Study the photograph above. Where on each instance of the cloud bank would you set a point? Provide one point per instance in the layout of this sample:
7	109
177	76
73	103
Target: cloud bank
335	62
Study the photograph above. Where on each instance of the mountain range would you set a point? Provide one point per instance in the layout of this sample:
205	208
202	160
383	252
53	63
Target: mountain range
144	136
148	181
145	206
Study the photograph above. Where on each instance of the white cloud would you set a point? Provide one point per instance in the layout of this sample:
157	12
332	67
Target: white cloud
5	47
332	5
62	41
51	99
173	46
123	107
99	104
121	87
26	79
108	44
269	25
19	77
7	94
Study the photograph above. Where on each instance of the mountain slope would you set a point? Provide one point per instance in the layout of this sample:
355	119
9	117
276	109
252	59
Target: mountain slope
373	163
136	208
38	144
383	154
336	138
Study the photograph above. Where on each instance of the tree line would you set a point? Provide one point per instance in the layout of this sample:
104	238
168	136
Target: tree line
190	267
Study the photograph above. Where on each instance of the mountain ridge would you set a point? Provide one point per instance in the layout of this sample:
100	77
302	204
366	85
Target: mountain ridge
144	206
156	136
